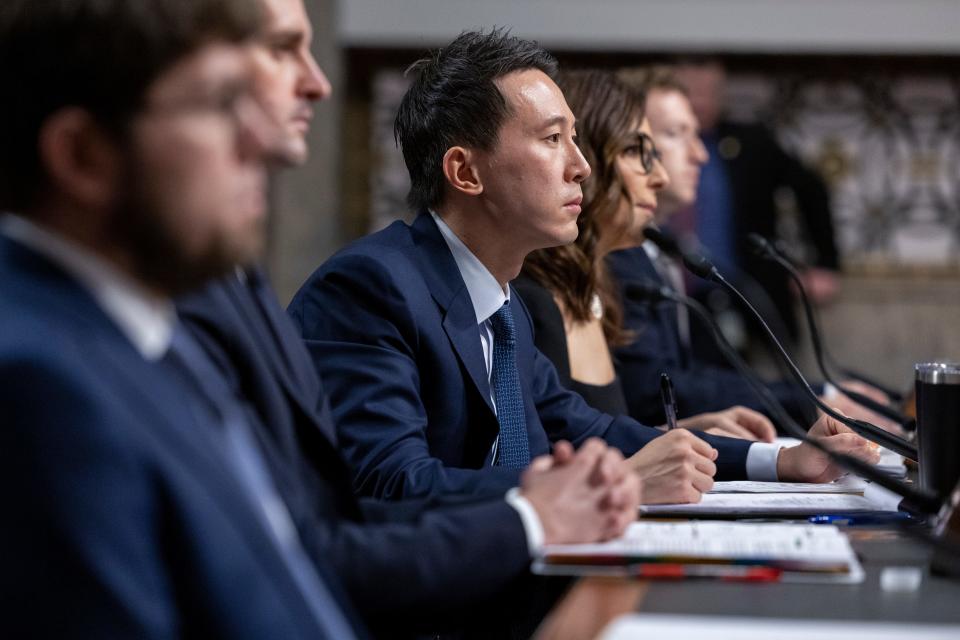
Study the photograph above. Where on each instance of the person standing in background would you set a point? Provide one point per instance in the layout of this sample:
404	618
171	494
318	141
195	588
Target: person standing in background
745	169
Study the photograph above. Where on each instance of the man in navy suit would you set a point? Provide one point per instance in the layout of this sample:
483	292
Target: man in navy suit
135	504
428	359
405	566
664	331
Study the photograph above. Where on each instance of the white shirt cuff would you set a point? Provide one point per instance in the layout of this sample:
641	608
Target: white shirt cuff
530	520
829	392
762	461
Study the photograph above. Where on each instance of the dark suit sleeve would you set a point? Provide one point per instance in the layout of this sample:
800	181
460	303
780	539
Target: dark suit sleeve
566	416
362	334
700	388
448	560
81	557
640	363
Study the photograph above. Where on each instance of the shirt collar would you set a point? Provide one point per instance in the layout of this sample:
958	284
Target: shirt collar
146	319
486	294
653	251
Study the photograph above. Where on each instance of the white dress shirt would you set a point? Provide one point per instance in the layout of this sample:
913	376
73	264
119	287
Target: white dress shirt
147	320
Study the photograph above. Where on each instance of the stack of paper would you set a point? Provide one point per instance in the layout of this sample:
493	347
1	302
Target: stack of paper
646	626
713	549
754	500
847	484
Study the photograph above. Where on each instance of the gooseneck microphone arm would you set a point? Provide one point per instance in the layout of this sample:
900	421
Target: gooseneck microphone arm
702	267
765	249
893	394
650	292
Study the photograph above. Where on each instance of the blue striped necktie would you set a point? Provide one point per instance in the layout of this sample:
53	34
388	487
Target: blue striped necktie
513	449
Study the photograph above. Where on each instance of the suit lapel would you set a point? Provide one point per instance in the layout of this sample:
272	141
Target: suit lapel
226	313
263	330
195	445
296	377
449	291
460	323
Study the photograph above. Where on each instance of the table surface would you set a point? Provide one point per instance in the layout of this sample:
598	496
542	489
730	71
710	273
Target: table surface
593	602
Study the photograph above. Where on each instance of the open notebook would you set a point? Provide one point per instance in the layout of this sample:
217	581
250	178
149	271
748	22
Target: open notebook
731	550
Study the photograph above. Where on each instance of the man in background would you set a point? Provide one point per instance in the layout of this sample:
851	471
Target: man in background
737	195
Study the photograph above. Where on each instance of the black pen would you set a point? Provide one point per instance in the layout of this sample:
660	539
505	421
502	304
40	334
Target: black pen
669	401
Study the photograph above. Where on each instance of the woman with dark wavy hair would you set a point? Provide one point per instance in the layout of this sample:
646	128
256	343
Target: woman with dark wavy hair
575	306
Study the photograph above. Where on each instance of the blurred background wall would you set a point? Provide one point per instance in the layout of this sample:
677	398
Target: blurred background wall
865	91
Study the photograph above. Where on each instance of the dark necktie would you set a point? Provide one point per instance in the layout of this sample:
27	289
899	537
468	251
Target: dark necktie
513	449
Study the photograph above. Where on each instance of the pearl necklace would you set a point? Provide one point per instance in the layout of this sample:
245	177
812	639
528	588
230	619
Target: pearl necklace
596	307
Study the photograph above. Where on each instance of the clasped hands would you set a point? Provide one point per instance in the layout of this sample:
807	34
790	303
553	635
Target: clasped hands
587	495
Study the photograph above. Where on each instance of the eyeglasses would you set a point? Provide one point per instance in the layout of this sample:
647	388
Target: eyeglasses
231	108
231	103
642	150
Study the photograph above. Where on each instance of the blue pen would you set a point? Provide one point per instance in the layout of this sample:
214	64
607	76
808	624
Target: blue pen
854	519
669	401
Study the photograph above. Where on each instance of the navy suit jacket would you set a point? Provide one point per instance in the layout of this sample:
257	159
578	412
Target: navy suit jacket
415	567
657	349
121	517
389	322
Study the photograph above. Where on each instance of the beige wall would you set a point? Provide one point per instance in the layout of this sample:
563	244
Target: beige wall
306	227
882	326
776	26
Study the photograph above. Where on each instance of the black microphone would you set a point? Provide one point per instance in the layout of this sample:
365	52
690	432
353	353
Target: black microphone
895	395
701	266
916	498
765	249
674	247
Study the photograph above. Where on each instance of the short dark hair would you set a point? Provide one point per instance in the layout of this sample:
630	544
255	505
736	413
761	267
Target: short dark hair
101	55
454	101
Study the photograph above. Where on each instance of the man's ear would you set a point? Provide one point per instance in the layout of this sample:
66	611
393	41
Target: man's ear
459	167
81	161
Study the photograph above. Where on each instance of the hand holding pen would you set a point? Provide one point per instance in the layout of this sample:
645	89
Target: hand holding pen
669	401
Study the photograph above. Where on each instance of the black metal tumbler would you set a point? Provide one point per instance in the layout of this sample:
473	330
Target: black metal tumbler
938	425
